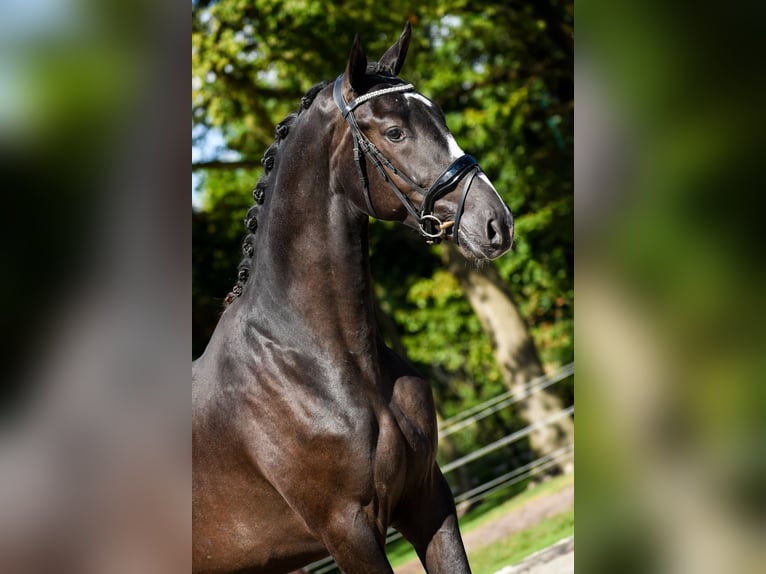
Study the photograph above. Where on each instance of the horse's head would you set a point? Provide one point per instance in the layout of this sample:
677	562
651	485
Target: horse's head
409	167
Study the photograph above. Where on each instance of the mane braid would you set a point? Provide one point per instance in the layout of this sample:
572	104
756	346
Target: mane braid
259	192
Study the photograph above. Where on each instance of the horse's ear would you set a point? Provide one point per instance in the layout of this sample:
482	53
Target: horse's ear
393	60
357	66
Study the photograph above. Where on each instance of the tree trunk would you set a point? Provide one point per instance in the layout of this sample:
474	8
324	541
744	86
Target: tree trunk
515	352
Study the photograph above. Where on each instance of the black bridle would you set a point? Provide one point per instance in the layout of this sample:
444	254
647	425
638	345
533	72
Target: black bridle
431	227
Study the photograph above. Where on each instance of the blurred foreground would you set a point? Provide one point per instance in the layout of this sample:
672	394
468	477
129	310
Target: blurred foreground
671	456
94	435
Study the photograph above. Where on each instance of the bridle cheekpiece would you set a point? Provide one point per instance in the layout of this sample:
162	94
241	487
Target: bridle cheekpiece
431	227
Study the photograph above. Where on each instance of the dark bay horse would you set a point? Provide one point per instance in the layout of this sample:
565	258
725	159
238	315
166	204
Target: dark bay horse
309	435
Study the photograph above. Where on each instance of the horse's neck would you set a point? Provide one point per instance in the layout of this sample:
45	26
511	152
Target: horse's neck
311	279
317	279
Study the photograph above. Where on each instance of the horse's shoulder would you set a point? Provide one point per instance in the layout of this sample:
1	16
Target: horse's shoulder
411	404
408	388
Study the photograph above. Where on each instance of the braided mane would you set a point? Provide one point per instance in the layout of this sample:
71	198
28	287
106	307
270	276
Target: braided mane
259	192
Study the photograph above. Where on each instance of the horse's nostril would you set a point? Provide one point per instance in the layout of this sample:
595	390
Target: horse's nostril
494	233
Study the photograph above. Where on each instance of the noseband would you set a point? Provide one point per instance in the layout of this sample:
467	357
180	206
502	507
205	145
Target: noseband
431	227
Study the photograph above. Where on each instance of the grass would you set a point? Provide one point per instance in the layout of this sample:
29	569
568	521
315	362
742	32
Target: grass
518	546
497	505
515	547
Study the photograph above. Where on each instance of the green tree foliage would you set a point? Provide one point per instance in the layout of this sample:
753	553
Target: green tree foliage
216	238
502	72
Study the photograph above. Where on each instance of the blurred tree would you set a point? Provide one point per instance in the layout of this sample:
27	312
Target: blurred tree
503	75
515	352
216	238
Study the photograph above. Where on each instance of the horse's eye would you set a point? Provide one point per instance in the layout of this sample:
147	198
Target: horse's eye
395	134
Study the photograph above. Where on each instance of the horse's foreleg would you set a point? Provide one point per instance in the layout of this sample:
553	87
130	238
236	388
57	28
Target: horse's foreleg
355	544
429	522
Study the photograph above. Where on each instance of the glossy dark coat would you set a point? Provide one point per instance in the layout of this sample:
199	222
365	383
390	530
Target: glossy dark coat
309	435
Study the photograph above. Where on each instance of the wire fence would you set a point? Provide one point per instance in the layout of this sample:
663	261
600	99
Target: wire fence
473	415
477	412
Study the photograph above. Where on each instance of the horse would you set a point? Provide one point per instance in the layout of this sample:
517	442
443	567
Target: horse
310	436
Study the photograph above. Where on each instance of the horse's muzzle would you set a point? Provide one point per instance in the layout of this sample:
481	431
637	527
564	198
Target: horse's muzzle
486	230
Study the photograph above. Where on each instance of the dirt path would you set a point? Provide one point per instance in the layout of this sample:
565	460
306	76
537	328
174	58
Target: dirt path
556	559
519	519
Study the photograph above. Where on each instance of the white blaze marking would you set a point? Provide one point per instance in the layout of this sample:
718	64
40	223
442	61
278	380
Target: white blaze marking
484	177
420	97
507	209
454	149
